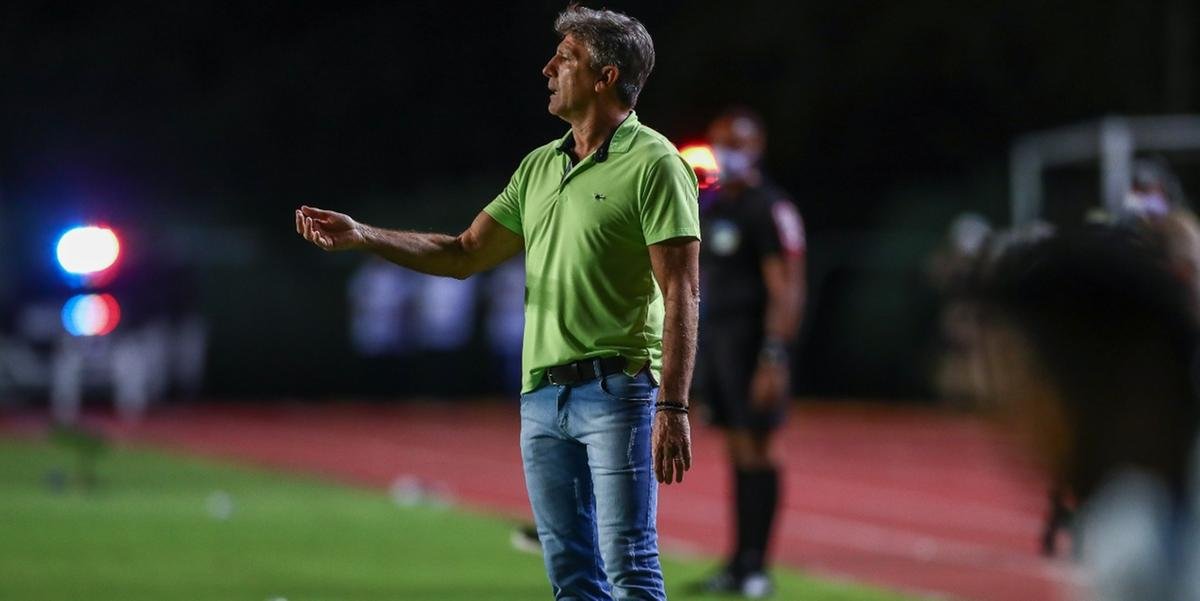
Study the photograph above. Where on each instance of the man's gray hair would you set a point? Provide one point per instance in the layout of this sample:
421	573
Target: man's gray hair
613	39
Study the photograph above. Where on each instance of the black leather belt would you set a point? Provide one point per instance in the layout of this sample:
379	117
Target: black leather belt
584	370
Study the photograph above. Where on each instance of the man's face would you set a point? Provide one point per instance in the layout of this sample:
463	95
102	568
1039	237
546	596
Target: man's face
738	144
572	81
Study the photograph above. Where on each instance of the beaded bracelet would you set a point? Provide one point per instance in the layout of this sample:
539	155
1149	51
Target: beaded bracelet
671	406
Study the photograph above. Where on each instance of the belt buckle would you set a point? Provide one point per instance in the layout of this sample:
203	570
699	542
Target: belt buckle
573	367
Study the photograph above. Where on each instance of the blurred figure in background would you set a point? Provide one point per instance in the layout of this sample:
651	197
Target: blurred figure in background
1090	344
949	270
506	319
1157	206
752	265
379	297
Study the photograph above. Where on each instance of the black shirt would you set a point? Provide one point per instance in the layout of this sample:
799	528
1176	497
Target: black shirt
739	229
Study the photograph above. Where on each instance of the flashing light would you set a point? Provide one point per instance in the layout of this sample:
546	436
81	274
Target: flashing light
703	162
87	250
91	314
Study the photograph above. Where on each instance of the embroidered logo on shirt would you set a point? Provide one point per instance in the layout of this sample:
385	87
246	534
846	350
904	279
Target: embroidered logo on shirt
599	196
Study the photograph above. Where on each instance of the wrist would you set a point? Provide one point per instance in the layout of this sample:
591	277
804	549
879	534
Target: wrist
367	235
670	406
774	351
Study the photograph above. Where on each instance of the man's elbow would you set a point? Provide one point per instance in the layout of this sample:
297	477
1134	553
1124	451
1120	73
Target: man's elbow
686	293
463	265
462	269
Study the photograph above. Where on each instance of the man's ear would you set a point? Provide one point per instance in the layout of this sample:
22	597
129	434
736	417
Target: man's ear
608	77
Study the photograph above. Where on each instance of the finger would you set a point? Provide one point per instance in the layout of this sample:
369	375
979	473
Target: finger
677	465
657	451
687	456
299	222
660	472
318	214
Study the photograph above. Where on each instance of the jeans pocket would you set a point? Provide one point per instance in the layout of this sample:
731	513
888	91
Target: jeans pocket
622	387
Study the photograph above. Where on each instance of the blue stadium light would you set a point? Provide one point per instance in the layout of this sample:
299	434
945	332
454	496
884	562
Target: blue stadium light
91	314
87	250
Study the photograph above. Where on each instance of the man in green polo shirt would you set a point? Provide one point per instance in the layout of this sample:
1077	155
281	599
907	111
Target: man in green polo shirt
608	219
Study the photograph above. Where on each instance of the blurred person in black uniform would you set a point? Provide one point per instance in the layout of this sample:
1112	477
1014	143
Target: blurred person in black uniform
752	268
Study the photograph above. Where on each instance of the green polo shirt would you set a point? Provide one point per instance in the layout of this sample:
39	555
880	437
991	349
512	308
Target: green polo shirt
589	289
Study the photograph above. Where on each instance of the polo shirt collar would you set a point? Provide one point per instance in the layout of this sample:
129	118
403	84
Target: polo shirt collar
618	141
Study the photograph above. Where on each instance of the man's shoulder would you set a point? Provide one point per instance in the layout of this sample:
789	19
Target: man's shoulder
651	145
768	194
549	149
539	156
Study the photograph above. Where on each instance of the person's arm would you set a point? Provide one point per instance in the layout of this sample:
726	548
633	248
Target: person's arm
482	246
783	277
676	265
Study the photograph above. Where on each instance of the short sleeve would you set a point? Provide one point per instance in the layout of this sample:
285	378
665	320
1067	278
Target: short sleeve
668	201
508	206
781	229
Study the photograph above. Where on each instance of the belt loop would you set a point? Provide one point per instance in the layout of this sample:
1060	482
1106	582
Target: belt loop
597	368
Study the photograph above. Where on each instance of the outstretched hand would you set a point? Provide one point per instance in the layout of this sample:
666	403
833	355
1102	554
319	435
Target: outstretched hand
328	229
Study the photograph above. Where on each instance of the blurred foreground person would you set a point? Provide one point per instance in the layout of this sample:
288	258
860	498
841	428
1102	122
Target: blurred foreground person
1090	343
752	267
1156	210
608	220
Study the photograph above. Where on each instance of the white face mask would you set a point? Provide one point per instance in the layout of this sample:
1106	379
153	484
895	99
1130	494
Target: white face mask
1145	204
732	164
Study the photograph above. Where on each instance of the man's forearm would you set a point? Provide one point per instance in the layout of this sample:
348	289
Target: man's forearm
435	254
786	291
783	313
679	340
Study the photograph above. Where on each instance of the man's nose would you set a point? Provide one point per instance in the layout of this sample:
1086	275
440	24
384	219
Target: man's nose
547	70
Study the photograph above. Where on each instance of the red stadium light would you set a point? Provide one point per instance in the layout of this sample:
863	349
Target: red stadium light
703	162
91	314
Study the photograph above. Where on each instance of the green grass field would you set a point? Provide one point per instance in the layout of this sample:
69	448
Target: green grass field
152	530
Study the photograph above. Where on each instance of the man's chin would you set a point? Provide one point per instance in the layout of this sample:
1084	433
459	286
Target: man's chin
558	110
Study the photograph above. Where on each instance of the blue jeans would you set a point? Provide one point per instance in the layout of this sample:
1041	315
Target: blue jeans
586	452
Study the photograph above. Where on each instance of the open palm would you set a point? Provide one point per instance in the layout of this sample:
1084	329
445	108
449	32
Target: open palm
328	229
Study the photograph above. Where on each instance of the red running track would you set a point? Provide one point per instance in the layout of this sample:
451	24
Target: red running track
906	499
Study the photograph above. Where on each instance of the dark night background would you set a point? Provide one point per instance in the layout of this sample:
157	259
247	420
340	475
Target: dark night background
197	127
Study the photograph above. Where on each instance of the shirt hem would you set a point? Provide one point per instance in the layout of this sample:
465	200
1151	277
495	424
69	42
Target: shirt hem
503	221
683	233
